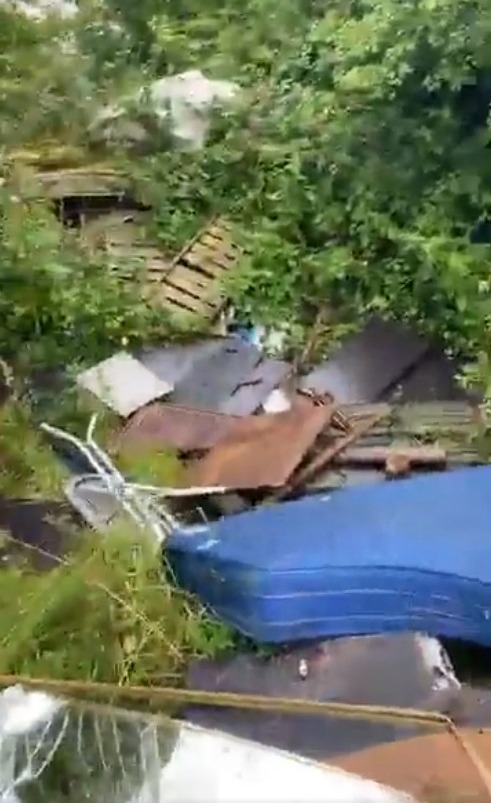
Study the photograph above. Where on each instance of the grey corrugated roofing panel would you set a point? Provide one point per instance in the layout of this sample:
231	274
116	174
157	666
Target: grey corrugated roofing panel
368	363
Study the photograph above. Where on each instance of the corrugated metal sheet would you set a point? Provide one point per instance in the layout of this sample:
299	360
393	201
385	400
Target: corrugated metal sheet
241	378
264	451
183	428
449	424
173	363
431	379
368	363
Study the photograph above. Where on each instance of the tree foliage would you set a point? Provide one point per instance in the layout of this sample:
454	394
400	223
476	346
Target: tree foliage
360	172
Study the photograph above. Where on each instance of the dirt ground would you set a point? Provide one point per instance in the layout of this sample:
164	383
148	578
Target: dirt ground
433	768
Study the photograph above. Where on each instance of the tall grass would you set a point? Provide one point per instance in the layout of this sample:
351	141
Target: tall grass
109	610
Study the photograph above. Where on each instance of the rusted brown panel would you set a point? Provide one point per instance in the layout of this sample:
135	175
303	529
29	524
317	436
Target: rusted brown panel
328	454
263	451
170	425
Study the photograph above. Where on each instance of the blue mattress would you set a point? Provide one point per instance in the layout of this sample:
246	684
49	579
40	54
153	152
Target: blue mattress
410	554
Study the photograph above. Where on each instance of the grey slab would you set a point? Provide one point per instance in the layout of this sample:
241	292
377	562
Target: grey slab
212	381
255	388
172	363
368	363
380	670
431	379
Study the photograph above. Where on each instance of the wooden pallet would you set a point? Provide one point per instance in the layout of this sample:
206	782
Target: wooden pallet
194	283
190	283
121	235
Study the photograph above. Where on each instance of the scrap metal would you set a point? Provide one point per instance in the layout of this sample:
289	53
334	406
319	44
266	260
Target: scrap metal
171	425
212	381
326	455
221	374
264	450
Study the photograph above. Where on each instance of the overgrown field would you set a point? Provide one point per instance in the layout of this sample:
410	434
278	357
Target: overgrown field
356	169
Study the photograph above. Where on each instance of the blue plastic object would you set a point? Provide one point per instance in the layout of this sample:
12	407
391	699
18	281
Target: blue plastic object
410	554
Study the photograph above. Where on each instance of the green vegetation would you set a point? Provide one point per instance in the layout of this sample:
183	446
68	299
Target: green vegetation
356	168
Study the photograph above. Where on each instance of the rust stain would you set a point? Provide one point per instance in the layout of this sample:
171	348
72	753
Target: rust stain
263	451
330	452
172	425
431	767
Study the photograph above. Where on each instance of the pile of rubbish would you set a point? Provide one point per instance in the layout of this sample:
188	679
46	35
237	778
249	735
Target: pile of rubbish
264	531
345	501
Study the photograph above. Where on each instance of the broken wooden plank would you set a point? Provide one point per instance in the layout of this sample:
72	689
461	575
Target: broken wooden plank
206	261
329	452
184	301
190	282
379	455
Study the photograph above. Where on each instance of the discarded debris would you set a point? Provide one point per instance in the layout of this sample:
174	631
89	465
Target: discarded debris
368	364
183	428
123	384
375	455
193	283
328	454
262	451
383	670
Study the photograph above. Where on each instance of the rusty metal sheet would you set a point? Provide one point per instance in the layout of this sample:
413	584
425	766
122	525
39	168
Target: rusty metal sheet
263	451
327	454
366	365
170	425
